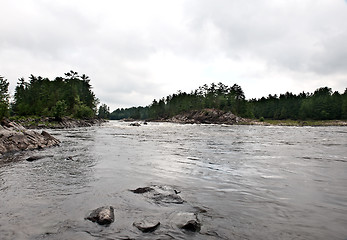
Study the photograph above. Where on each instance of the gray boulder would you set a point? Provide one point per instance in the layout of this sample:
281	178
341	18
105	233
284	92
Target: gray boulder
102	215
187	221
147	226
14	137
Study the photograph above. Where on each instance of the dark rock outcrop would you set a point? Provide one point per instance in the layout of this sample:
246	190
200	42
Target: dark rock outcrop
209	116
14	137
65	122
146	226
35	158
142	190
135	124
192	225
102	215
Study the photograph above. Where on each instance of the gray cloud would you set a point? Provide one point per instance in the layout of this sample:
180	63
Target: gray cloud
136	51
291	35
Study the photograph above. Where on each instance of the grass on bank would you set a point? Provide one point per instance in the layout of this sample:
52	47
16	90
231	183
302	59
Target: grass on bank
289	122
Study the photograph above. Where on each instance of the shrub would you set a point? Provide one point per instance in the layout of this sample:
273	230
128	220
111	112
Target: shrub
83	112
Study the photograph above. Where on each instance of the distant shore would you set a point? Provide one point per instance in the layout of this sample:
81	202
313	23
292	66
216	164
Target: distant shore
213	116
35	122
297	123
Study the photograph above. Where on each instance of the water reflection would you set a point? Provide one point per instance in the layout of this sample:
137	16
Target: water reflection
245	182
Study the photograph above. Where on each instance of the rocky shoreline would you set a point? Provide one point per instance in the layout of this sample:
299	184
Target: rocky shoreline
214	116
208	116
19	135
52	123
14	137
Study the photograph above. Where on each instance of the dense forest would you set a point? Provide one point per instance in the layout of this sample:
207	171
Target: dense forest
323	104
218	96
70	95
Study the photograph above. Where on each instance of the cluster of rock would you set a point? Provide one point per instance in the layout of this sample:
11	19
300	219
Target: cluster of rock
160	195
65	122
209	116
14	137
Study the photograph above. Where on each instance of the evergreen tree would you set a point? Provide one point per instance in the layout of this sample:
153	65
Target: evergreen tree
64	96
4	97
104	112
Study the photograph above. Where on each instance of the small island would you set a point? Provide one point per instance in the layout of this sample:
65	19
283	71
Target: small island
221	104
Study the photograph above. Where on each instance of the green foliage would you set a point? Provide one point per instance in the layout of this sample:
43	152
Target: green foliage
323	104
217	96
59	109
82	111
4	98
64	96
104	112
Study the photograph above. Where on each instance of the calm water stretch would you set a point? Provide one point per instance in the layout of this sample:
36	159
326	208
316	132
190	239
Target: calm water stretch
244	182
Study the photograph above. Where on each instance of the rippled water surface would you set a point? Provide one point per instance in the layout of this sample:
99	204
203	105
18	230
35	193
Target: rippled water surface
243	182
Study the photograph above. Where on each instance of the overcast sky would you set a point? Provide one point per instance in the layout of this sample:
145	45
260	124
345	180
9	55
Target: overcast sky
138	50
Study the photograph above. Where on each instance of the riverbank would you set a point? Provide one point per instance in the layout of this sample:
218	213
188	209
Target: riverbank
14	137
296	123
51	123
213	116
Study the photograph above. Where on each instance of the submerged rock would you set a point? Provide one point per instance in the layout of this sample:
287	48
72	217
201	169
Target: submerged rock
170	198
187	221
160	194
135	124
192	225
146	226
102	215
142	190
34	158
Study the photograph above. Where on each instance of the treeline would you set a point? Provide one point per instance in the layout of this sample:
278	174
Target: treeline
70	95
323	104
218	96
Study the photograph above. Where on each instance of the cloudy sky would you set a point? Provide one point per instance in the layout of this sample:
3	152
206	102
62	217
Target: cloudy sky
138	50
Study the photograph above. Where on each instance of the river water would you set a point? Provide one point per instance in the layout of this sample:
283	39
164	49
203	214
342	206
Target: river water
243	182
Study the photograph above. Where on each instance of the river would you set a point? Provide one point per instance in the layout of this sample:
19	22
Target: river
243	182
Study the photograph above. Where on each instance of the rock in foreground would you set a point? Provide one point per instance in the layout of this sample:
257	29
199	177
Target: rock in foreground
146	226
187	221
102	215
14	137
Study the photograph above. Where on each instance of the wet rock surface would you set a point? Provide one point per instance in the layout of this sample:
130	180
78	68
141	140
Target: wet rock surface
135	124
14	137
147	226
165	196
192	225
160	194
35	158
142	190
102	215
187	221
